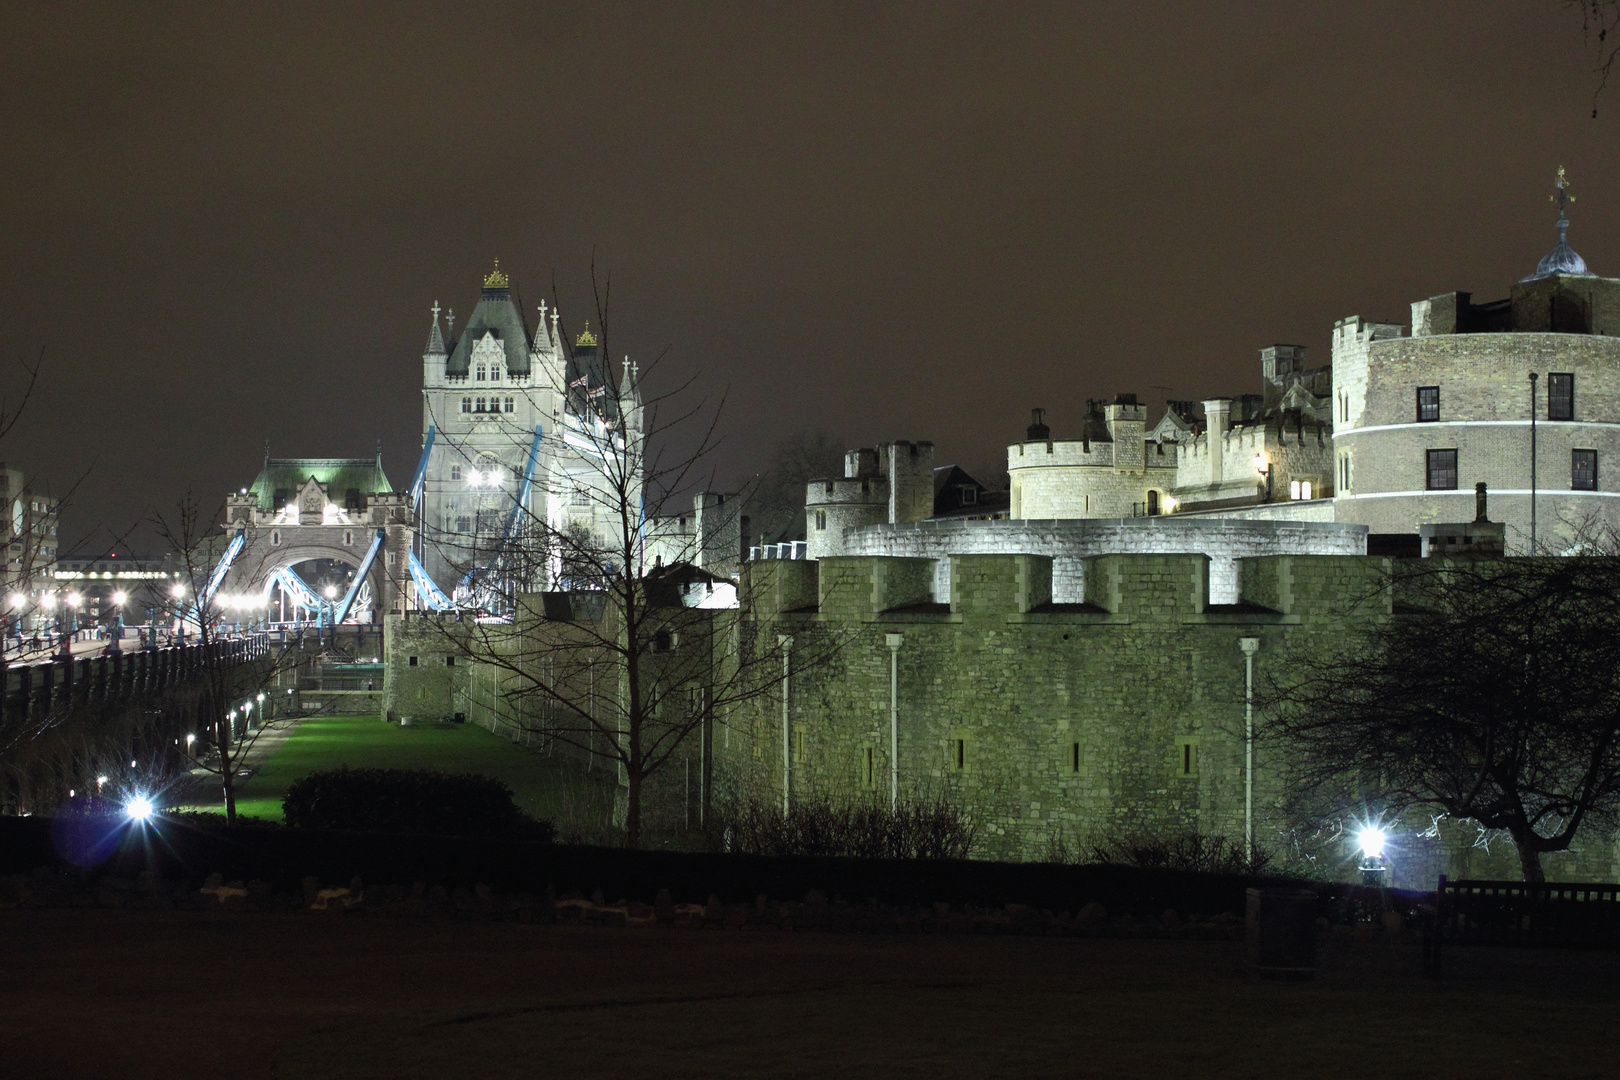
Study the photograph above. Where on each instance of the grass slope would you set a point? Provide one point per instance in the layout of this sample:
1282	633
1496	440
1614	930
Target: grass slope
542	786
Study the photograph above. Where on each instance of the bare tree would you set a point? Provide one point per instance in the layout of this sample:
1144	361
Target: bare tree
601	632
777	505
1492	693
233	705
1600	19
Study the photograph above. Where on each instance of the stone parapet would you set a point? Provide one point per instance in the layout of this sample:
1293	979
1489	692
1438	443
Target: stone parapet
1068	543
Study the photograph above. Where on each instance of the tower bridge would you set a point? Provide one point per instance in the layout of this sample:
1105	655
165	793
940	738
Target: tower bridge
302	511
517	428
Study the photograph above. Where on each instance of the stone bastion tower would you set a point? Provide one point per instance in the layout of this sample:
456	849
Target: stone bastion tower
1521	394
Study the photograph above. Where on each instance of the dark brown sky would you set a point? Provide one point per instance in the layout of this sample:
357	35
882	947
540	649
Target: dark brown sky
226	222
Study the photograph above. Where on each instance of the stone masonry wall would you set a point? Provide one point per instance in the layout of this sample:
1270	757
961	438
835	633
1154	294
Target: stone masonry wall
1484	416
1070	543
1052	728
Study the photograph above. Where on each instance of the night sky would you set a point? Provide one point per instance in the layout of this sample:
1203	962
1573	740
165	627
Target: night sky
226	223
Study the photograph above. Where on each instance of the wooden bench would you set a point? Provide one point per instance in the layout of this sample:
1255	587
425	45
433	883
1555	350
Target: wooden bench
1527	914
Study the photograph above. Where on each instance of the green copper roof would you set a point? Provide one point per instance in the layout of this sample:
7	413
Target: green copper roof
338	475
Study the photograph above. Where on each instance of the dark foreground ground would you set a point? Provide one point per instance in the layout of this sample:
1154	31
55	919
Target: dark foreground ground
135	994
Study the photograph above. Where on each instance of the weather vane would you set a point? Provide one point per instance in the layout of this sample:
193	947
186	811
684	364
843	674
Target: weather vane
1562	200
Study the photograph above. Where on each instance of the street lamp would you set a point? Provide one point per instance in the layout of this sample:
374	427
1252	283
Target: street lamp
1263	467
1372	840
119	597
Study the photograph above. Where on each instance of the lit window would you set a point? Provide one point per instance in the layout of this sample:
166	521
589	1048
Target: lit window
1305	489
1442	470
1293	489
1560	396
1428	404
1583	470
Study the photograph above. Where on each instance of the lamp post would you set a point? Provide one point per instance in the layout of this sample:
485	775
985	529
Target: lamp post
116	632
1533	463
18	602
178	591
1371	841
330	592
68	624
1263	467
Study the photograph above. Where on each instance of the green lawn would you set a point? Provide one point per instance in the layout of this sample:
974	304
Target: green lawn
545	787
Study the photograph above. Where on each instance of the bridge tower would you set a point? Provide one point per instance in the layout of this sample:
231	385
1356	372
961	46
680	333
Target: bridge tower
485	392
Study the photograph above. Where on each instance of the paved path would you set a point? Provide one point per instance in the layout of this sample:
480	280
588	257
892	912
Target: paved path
201	787
154	995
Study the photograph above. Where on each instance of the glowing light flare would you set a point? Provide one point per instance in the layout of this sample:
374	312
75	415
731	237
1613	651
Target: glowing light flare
139	808
18	601
119	598
1260	463
1372	840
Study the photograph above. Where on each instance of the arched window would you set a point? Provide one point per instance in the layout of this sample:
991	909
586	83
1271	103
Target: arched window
1293	489
479	406
497	373
509	403
466	404
483	372
1305	489
455	472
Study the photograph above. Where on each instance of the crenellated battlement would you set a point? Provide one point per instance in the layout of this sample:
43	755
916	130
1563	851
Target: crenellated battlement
1140	586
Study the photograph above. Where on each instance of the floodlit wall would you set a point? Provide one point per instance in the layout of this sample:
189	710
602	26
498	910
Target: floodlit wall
1053	725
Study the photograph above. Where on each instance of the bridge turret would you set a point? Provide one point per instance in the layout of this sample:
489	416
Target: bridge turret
434	356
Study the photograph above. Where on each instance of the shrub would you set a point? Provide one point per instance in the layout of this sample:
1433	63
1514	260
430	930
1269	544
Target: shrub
1187	849
921	828
410	801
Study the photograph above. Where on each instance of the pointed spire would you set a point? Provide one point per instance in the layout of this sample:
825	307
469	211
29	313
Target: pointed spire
435	345
540	342
450	318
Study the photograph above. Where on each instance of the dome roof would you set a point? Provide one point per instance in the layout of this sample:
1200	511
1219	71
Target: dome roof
1560	260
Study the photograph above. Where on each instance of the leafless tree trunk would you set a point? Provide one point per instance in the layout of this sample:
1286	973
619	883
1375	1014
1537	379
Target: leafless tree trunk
1492	694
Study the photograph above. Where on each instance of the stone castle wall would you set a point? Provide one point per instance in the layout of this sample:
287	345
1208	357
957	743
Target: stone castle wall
1055	727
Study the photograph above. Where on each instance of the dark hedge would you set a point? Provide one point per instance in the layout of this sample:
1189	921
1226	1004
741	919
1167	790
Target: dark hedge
283	857
410	801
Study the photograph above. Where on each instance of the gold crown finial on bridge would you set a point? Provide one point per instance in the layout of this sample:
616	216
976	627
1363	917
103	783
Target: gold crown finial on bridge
496	279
